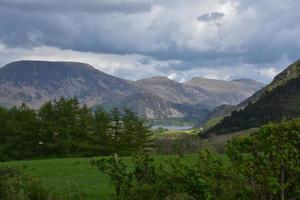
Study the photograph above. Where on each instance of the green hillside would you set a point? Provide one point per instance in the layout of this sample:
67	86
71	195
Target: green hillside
278	101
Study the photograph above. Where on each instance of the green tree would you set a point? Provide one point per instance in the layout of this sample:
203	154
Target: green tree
116	130
136	137
3	133
103	136
269	160
21	133
66	127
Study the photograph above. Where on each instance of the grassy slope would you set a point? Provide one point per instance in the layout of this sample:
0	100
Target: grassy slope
172	133
212	122
71	175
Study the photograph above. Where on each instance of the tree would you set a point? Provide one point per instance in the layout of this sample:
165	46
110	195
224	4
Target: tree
21	133
136	137
116	130
269	160
3	132
64	127
103	136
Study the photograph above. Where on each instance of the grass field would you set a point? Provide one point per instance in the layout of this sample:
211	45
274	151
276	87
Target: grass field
73	175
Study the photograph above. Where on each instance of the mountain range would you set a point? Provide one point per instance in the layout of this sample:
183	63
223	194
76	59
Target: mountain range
277	101
35	82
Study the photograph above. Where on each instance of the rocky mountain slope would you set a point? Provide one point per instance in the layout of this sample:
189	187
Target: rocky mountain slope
34	82
277	101
228	92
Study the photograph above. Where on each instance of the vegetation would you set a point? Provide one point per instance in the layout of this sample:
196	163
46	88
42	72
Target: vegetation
72	177
263	165
282	102
174	121
16	185
269	161
211	123
259	164
64	128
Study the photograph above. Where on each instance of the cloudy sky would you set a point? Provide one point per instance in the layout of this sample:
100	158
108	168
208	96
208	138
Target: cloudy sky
133	39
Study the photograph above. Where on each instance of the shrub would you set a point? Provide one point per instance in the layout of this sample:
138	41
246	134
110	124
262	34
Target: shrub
15	185
209	178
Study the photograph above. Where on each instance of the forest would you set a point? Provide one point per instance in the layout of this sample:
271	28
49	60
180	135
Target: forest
64	128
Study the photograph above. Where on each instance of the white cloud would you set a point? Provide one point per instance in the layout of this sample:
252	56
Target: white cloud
268	72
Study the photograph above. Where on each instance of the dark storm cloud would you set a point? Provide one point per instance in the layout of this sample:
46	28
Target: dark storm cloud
90	6
214	16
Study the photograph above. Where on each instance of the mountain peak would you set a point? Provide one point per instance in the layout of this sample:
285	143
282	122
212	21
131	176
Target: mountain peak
26	71
158	79
46	64
244	80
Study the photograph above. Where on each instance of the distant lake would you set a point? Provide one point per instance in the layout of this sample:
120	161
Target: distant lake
172	127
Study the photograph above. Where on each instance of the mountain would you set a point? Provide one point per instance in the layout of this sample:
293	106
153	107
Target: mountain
155	107
277	101
177	92
200	91
227	92
199	96
35	82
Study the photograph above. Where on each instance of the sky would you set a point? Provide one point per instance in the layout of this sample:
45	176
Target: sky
135	39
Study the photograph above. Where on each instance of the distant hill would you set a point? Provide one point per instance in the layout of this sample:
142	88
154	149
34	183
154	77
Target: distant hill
230	92
277	101
35	82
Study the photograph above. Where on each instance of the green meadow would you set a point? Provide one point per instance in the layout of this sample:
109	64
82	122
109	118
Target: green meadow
70	176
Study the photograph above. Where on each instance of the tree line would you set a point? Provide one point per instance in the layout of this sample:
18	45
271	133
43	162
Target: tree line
65	128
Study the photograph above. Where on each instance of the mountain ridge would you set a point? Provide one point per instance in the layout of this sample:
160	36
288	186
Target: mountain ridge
35	82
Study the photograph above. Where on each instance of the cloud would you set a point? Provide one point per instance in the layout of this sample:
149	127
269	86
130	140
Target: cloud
73	6
129	66
268	72
168	35
208	17
175	77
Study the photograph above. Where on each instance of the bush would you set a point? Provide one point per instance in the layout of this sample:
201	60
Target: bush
15	185
209	178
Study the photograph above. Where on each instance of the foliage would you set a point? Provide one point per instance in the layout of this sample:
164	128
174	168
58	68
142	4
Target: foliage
179	145
269	160
15	185
65	128
264	165
209	178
